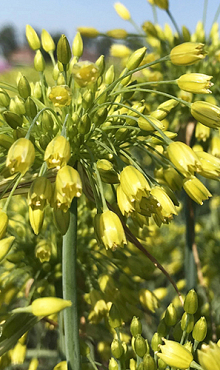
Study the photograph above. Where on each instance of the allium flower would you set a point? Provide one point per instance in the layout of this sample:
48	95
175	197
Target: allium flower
206	113
134	184
196	83
85	73
187	53
57	152
40	193
122	11
183	158
60	96
209	357
175	355
20	156
196	190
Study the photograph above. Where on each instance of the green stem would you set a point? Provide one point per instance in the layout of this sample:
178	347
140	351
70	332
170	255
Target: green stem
70	291
12	192
190	266
174	23
52	57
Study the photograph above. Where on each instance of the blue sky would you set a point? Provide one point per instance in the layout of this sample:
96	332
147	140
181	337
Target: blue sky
66	15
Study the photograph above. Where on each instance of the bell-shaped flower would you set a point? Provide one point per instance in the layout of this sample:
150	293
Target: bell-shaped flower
134	184
20	156
57	152
183	158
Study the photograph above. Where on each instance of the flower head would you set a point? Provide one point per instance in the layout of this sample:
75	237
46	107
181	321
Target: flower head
196	83
187	53
196	190
60	96
122	11
134	184
183	158
85	73
57	152
206	113
209	357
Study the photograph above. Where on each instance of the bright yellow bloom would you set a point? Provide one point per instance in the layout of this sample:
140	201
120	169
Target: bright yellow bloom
134	184
33	39
109	230
85	73
183	158
202	132
20	156
48	306
209	356
43	250
125	205
60	96
122	11
196	83
40	193
196	190
187	53
175	355
206	113
210	165
146	125
136	58
165	208
117	33
47	41
57	152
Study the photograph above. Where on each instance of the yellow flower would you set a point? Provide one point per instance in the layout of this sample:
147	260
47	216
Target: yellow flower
165	208
196	83
36	218
57	152
122	11
126	207
109	230
40	193
60	96
187	53
119	51
209	356
20	156
18	354
117	33
134	184
43	251
206	113
33	39
47	41
175	355
210	165
85	73
183	158
68	185
196	190
48	306
202	132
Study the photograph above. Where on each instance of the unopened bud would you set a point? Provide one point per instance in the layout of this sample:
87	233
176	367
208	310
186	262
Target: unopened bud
32	38
117	348
136	58
140	346
187	322
170	315
136	326
191	302
24	88
39	62
200	330
63	50
77	47
47	41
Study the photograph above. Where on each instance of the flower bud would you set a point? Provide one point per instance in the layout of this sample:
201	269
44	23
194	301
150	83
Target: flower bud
114	318
47	41
5	246
122	11
18	354
175	355
136	58
162	4
63	50
183	158
88	32
187	53
20	156
61	96
6	141
30	107
110	75
107	172
84	124
57	153
164	109
200	330
206	113
117	348
170	317
109	230
162	328
36	218
196	190
17	105
48	306
77	47
117	33
187	322
24	88
191	302
3	223
4	98
32	38
113	365
61	366
140	346
100	116
43	251
196	83
150	123
120	51
136	326
14	120
62	220
209	357
39	62
149	363
33	364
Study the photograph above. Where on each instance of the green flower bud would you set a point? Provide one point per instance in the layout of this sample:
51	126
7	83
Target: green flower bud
17	105
30	107
5	246
44	141
37	91
200	330
100	116
107	172
149	363
6	141
48	306
177	332
62	220
84	348
77	47
88	31
170	317
39	62
162	329
87	99
32	38
136	326
191	302
24	88
109	75
161	364
100	63
136	58
114	318
3	223
140	346
47	41
63	50
4	98
47	122
13	119
113	365
155	342
187	322
84	124
117	348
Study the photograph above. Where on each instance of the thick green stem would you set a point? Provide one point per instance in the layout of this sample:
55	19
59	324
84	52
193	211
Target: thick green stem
190	267
70	291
